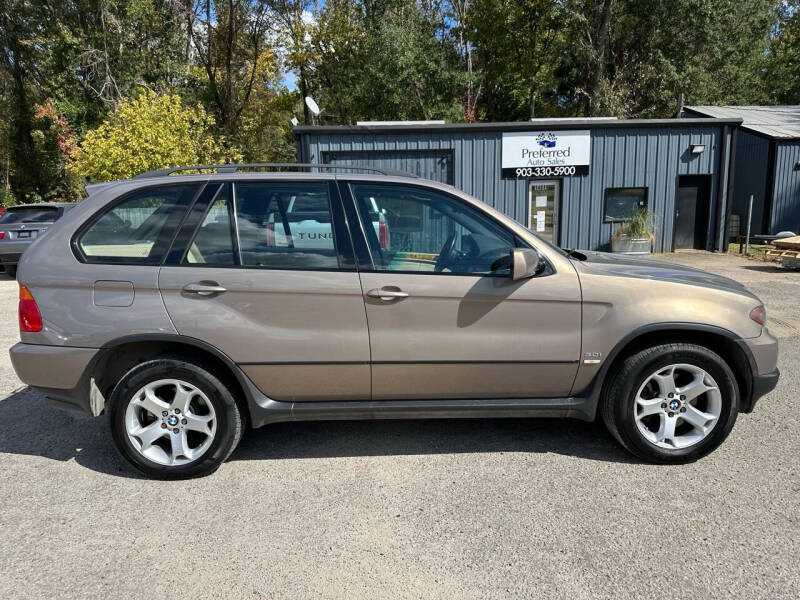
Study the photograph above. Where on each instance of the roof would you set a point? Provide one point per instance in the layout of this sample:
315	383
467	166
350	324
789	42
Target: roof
775	122
537	125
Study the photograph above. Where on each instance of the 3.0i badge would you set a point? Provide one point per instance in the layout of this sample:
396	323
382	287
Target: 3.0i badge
591	358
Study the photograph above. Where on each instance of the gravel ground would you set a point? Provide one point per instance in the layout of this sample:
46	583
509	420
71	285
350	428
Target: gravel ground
409	509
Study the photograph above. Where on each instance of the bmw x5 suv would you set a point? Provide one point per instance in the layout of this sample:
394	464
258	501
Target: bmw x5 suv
188	308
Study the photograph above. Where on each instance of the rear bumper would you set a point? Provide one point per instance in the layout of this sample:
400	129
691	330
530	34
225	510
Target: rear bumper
61	373
10	258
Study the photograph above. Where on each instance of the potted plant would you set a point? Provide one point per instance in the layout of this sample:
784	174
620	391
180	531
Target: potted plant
637	235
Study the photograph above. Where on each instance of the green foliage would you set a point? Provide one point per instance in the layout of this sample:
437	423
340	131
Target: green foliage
641	225
148	132
7	198
782	73
385	64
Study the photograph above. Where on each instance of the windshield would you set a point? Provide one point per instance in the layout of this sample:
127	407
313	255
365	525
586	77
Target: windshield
29	215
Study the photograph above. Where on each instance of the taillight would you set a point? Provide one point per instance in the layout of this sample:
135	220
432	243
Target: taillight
2	234
30	319
271	233
759	315
383	235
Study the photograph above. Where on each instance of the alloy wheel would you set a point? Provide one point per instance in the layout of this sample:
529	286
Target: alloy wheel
677	406
170	422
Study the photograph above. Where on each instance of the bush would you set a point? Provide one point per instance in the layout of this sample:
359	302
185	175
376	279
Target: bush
7	198
148	132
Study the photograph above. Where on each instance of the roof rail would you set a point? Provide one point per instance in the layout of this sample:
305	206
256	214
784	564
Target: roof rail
233	168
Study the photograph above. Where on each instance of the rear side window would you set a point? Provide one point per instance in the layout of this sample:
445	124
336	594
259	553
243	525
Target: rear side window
285	225
138	228
213	242
29	215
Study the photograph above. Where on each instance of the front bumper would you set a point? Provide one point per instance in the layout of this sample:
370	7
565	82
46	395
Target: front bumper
762	354
61	373
764	384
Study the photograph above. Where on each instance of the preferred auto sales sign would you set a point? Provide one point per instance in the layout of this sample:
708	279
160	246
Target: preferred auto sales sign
546	153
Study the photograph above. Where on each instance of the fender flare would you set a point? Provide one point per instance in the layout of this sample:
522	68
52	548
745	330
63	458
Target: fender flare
596	386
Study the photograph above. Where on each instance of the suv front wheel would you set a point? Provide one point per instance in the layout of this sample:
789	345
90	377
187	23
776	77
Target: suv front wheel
671	403
172	419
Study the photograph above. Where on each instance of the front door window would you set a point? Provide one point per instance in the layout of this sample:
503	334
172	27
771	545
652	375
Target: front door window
415	230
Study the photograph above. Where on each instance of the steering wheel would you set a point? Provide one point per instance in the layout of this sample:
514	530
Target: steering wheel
446	254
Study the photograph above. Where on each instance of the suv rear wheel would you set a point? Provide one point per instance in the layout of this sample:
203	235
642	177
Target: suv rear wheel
172	419
671	403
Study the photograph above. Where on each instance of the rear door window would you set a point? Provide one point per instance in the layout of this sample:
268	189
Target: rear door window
213	242
33	214
139	228
285	225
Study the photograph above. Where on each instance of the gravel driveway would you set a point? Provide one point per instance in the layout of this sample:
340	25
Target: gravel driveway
409	509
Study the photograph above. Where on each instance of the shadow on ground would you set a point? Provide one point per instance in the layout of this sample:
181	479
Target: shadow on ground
29	427
767	268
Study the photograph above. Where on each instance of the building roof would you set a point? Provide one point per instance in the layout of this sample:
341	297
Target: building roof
535	125
775	122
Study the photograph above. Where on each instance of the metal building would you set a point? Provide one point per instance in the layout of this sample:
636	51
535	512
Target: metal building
766	164
573	181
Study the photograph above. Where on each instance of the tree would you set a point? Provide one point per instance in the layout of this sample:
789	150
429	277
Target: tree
148	132
782	73
229	37
515	42
385	60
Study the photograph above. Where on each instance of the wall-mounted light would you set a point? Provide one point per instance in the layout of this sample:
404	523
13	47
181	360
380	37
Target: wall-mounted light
697	148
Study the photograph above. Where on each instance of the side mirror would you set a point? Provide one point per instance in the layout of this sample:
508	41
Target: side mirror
525	263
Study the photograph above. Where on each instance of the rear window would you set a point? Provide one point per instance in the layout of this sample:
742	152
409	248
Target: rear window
29	215
138	228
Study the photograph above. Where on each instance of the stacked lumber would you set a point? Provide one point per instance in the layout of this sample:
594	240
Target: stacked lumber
792	243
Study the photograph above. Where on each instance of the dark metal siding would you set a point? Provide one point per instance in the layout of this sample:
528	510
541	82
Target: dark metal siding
436	165
652	157
786	194
752	160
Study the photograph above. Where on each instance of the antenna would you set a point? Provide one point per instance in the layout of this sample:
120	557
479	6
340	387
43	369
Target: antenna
312	106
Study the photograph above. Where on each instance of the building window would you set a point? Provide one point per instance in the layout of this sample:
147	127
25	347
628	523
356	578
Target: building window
622	203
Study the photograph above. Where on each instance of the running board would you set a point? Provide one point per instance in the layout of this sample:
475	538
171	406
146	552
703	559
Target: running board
273	411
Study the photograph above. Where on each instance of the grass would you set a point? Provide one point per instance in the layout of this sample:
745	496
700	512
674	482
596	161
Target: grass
756	250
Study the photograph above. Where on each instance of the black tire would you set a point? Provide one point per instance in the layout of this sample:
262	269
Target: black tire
619	398
229	420
11	271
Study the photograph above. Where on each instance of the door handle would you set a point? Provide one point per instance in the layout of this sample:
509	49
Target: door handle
387	293
204	288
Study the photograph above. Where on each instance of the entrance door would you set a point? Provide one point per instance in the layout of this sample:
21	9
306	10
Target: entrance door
691	212
543	209
445	319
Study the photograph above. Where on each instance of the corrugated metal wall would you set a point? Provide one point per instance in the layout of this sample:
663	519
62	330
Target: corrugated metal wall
652	157
786	193
428	164
752	163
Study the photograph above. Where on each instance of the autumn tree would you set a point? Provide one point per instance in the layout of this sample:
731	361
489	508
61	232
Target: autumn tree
148	132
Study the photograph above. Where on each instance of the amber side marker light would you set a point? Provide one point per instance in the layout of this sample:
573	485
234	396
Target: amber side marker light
30	319
759	315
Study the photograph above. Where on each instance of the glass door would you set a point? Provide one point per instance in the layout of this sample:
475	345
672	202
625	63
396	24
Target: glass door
543	209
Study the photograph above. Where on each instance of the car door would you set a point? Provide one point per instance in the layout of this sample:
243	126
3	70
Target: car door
281	299
445	319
